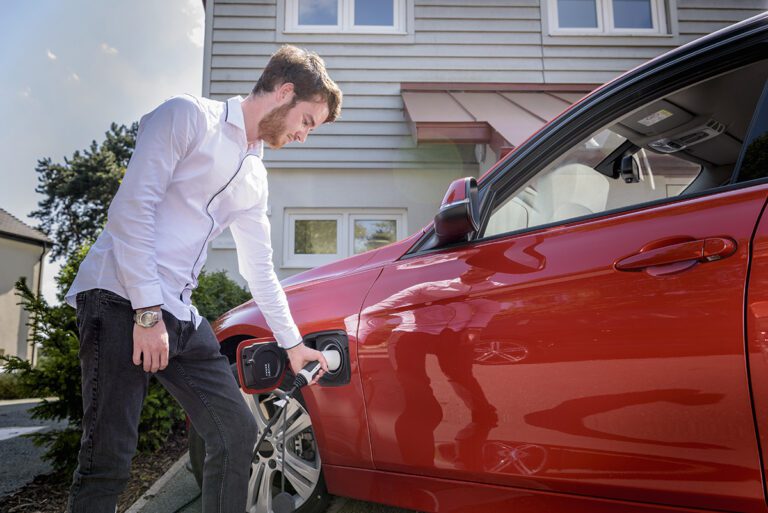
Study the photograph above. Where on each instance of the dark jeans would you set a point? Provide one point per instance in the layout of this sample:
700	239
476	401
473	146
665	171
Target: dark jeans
197	375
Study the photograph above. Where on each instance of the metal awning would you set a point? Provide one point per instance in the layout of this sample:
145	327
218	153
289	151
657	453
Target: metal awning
501	115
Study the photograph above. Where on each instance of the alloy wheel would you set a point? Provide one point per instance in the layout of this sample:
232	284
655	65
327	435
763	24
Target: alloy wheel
301	466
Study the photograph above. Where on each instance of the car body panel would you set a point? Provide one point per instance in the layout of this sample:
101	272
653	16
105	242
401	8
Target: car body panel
757	333
342	435
430	494
530	361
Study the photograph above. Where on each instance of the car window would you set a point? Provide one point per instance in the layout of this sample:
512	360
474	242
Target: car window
571	186
684	143
754	164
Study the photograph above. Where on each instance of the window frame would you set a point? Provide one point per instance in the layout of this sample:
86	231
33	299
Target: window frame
292	259
345	234
345	20
605	21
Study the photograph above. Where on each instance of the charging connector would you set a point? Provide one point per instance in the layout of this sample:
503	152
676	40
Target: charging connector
310	370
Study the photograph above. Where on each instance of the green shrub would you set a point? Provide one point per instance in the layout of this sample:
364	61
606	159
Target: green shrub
11	387
216	293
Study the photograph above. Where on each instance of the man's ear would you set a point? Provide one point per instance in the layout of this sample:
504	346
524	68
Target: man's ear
285	91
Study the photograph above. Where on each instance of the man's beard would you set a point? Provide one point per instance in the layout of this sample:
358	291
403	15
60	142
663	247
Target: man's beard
272	126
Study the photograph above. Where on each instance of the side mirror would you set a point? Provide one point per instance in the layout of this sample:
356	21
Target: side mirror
459	212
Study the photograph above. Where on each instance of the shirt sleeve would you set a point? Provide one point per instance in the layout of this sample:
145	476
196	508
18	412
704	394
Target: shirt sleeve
164	136
251	232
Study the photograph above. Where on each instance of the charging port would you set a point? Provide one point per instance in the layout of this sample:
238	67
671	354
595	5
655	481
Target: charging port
333	341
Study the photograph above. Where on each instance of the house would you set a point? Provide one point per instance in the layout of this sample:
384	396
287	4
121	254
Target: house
433	90
22	250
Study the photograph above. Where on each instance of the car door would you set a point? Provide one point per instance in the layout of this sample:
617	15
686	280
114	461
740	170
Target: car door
590	339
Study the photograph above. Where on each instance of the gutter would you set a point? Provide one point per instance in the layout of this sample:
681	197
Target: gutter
33	356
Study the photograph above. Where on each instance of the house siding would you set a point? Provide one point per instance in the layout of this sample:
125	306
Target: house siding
20	260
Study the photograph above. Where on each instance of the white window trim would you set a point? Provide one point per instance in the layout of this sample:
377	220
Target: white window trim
345	22
605	24
345	235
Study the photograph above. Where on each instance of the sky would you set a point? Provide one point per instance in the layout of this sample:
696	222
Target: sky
71	68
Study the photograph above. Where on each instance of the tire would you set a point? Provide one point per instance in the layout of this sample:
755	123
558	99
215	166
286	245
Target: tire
304	480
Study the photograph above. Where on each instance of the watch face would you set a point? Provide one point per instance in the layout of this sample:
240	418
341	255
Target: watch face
147	319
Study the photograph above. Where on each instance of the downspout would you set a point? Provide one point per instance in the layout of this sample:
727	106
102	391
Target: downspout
33	359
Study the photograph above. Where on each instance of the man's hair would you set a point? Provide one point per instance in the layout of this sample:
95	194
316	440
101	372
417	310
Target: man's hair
306	71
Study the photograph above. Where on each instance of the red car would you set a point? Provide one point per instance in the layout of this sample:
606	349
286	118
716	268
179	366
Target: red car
582	329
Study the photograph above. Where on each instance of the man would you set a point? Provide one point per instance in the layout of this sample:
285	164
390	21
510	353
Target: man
197	169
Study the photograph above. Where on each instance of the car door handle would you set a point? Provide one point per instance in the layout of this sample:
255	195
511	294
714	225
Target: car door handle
702	250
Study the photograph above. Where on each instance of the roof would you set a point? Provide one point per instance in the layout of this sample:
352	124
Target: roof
501	115
12	228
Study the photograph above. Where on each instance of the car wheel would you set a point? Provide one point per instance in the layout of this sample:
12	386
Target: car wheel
302	467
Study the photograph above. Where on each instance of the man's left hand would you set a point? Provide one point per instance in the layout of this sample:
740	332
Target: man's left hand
301	355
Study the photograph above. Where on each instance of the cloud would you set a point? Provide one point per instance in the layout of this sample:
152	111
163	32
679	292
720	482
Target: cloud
194	10
109	50
197	35
51	55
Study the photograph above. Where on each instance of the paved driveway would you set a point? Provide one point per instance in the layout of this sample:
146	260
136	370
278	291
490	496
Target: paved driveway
22	461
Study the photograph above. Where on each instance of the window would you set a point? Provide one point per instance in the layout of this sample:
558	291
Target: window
317	237
688	142
572	187
621	17
345	16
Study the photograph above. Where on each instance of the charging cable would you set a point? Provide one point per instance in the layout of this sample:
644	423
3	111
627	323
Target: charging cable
303	378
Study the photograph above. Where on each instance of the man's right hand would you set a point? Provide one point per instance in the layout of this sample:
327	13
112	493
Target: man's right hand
150	346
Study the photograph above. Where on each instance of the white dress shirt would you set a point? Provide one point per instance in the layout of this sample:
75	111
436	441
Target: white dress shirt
192	174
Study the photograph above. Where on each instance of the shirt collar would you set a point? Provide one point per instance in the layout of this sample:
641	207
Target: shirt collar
234	116
234	112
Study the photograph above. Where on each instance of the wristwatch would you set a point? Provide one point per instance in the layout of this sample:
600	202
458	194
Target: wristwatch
146	318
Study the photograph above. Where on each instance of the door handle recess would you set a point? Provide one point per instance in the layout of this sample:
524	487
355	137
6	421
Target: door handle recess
703	250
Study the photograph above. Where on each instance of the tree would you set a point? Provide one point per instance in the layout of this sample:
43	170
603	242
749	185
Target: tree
79	191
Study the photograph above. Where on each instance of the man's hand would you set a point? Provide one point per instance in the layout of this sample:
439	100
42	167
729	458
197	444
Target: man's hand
301	355
152	344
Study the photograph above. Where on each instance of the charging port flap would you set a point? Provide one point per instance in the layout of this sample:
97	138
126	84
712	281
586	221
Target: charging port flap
261	365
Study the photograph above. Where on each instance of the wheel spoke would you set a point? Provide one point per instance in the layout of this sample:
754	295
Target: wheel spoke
254	407
260	489
298	421
303	475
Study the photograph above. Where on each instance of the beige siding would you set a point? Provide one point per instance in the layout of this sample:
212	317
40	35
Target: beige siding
19	260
